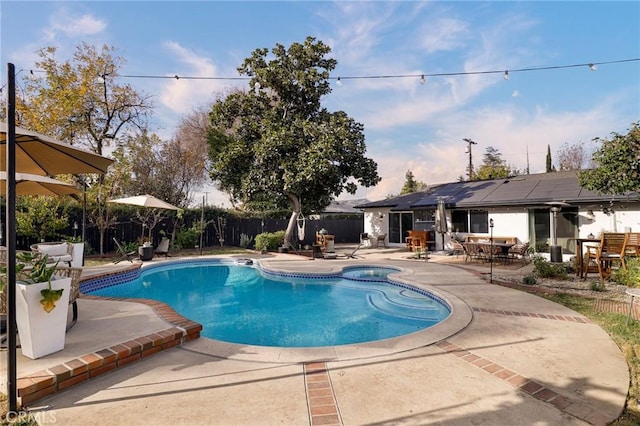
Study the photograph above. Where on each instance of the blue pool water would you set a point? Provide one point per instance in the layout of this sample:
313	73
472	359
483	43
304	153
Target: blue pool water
240	304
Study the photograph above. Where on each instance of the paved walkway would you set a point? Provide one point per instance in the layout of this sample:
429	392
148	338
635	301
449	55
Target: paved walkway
521	360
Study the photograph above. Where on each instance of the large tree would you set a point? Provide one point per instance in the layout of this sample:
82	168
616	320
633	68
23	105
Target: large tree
276	145
493	166
81	101
617	162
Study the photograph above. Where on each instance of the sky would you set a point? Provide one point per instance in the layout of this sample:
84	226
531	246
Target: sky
409	125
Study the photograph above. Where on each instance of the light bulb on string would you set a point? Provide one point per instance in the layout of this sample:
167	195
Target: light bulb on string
422	80
592	67
339	82
506	75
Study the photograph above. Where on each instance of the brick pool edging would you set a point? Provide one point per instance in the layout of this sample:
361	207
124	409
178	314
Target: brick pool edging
75	371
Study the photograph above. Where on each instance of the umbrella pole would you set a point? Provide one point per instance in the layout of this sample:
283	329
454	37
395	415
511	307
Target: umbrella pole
12	371
201	224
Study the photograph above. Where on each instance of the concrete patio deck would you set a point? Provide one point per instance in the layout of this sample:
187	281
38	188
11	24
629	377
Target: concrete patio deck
521	360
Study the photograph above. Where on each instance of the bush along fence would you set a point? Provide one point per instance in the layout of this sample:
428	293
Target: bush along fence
218	230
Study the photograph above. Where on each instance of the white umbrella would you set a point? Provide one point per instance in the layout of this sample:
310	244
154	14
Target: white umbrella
151	218
145	201
28	184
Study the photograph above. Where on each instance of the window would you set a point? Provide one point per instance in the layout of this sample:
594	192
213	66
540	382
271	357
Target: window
479	221
459	221
473	221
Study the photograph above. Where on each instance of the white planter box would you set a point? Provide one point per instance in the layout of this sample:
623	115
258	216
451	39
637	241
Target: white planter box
41	333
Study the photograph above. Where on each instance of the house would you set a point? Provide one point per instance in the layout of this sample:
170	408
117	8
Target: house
521	206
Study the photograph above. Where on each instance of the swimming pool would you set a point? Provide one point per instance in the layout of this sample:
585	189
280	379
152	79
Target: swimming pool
244	304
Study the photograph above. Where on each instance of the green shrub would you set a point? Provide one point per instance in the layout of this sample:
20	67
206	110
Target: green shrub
630	277
187	238
530	279
597	286
245	240
545	269
269	241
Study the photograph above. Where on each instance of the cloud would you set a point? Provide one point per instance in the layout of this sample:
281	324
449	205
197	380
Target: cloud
181	95
443	34
75	26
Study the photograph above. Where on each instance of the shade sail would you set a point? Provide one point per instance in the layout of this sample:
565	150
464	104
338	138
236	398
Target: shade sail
145	201
28	184
42	155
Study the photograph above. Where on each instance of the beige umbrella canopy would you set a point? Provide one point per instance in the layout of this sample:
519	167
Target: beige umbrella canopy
28	184
151	217
145	201
41	155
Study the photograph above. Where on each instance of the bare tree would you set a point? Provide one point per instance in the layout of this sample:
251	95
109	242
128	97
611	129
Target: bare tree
572	157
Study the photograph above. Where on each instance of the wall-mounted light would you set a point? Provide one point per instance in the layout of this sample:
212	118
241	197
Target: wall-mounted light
380	216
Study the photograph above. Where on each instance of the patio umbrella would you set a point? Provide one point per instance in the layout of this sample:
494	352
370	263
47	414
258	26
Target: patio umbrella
150	202
24	151
441	220
41	155
28	184
145	201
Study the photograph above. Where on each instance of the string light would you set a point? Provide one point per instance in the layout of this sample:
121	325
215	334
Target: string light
590	65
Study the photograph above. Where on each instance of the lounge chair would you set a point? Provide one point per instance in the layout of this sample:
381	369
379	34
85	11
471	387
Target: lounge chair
163	248
57	252
124	255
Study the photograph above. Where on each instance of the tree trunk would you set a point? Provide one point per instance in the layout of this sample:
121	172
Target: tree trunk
294	201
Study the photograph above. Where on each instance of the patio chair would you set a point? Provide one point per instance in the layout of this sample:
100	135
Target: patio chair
163	248
74	274
365	239
457	248
381	238
57	251
612	249
124	255
520	251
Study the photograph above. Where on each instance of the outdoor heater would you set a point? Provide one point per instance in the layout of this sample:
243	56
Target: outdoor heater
555	251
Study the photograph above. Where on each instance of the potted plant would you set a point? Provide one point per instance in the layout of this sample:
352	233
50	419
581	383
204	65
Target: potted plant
41	307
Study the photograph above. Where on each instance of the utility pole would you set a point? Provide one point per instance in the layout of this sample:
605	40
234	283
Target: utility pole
468	150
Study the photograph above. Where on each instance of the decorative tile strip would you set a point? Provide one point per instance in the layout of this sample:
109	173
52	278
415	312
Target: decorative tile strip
323	408
583	320
537	390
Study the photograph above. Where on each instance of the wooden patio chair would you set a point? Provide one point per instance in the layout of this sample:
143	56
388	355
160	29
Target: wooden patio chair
612	249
